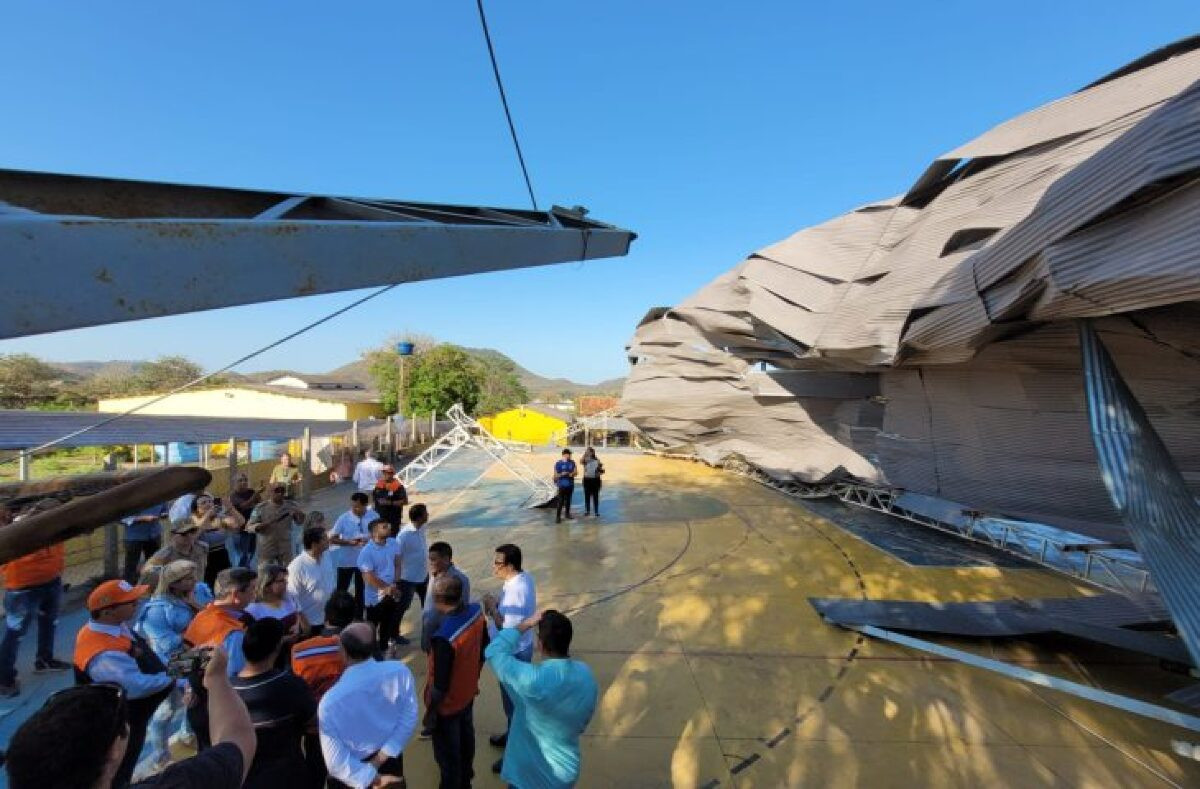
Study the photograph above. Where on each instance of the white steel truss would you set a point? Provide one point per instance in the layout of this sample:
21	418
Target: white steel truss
467	431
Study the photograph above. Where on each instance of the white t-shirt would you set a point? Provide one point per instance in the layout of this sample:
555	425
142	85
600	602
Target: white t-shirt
590	467
380	560
311	582
260	610
349	526
414	555
367	473
518	602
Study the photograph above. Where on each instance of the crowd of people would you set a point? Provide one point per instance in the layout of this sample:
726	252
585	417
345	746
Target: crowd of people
272	644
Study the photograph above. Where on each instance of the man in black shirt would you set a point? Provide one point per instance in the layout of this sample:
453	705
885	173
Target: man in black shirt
281	707
78	739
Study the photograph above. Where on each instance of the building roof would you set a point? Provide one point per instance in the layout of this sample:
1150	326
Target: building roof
545	410
326	395
23	429
322	382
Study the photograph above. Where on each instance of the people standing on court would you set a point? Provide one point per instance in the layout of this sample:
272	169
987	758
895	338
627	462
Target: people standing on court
280	706
241	543
414	558
215	523
564	480
32	589
368	716
516	603
441	564
452	680
141	538
593	470
107	650
554	701
379	563
312	578
367	473
350	532
389	498
286	474
319	661
272	521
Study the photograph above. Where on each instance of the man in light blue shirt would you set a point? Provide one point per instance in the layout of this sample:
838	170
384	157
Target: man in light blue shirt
553	702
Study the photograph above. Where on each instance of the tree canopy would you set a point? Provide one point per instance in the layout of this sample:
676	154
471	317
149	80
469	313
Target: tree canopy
438	375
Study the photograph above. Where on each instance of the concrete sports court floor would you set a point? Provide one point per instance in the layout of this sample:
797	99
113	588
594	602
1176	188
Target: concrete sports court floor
689	598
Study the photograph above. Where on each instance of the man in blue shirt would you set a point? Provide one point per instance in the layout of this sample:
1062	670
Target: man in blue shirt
564	480
554	701
143	537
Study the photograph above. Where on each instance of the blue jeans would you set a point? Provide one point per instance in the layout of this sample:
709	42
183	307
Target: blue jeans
21	605
525	655
240	546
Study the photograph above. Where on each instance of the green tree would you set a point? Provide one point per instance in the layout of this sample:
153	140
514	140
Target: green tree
26	381
500	388
383	364
439	378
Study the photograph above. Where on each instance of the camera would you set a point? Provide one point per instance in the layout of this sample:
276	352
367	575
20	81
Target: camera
189	662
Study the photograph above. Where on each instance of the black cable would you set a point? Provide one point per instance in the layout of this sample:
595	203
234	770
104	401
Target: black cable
504	100
89	428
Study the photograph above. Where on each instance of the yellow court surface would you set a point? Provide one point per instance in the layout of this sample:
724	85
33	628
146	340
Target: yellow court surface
689	597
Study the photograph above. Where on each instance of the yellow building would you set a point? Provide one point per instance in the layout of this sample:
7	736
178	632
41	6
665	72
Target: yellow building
533	424
290	397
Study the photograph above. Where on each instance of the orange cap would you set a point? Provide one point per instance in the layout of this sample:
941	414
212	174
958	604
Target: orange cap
112	593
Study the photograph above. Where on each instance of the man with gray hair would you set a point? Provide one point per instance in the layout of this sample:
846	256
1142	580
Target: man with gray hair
222	623
368	716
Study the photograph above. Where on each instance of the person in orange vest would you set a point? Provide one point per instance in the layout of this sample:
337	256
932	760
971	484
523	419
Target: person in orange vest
389	499
452	681
222	623
319	662
32	587
107	651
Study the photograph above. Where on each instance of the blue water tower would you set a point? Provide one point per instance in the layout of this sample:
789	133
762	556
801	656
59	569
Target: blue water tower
403	349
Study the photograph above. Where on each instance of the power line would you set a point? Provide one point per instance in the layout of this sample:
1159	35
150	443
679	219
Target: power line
201	379
504	100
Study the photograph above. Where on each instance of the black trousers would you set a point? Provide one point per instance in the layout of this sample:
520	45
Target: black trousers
591	495
564	502
393	766
134	551
454	748
314	760
344	575
407	588
386	620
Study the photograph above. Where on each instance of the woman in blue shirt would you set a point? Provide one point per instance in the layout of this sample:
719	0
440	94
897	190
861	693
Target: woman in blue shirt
162	622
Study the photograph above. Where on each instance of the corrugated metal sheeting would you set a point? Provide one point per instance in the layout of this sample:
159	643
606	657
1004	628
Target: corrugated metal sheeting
956	300
25	429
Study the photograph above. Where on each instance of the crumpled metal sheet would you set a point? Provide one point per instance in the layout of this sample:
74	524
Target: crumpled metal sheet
954	296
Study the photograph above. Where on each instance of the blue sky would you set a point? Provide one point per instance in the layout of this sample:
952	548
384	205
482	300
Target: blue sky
710	129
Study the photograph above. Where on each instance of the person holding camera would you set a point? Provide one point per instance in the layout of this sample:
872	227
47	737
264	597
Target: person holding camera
108	651
94	723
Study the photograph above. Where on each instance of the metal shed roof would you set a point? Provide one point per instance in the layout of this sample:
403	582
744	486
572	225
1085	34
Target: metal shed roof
23	429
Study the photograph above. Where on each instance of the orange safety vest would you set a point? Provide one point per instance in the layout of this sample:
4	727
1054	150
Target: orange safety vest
464	631
89	643
210	627
39	567
319	662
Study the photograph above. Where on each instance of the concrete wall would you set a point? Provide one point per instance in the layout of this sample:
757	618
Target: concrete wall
235	402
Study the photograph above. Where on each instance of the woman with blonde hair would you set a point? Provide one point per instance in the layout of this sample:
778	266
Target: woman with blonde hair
162	622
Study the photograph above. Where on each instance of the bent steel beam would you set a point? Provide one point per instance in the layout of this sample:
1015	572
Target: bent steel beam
78	251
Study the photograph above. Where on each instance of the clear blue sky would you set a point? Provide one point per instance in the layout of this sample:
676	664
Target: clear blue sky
709	128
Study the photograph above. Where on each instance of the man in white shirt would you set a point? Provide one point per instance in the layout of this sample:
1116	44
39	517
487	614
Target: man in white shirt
368	716
379	563
517	602
414	559
350	532
312	577
367	473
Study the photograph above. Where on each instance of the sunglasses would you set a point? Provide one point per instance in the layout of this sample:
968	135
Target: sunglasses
113	693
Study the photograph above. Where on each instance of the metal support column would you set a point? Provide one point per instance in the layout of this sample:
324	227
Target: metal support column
306	471
233	463
24	466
